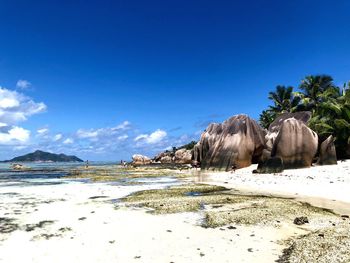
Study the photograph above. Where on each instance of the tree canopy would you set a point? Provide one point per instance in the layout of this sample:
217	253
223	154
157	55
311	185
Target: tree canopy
329	105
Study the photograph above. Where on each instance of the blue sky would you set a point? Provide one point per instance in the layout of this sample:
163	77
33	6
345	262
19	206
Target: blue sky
106	79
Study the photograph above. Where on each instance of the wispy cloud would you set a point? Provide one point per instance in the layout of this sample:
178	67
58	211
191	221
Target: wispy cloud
57	137
42	131
23	84
68	141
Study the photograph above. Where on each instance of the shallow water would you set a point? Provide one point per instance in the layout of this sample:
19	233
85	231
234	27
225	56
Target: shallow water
55	173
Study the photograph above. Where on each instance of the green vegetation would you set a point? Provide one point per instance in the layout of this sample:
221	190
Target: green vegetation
221	207
184	198
329	105
40	156
115	173
188	146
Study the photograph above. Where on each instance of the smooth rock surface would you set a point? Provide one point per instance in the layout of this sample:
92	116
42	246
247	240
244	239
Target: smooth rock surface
296	144
237	142
328	154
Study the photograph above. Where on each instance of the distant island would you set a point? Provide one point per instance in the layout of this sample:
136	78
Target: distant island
40	156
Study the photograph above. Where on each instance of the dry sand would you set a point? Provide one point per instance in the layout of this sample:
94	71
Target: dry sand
325	186
88	226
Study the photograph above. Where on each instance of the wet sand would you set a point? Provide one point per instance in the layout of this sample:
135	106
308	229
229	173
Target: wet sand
75	221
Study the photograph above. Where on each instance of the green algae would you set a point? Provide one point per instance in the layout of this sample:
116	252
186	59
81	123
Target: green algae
221	207
264	211
116	173
327	245
184	198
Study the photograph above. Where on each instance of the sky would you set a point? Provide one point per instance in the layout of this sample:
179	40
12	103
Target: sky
107	79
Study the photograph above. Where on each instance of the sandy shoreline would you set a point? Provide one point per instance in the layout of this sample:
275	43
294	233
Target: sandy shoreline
84	228
82	222
326	186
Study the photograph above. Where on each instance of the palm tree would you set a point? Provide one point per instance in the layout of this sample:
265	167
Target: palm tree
332	117
284	100
316	89
266	118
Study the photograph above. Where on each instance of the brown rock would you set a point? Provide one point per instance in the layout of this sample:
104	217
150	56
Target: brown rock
183	156
235	143
139	159
303	116
296	144
328	154
167	159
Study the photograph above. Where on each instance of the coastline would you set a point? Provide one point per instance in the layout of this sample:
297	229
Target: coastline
324	186
76	221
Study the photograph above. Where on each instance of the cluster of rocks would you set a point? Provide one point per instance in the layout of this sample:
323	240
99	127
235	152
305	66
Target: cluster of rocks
180	156
139	159
240	141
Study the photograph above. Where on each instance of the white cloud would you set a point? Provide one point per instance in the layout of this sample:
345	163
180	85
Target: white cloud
87	134
16	107
23	84
96	134
123	137
123	126
155	137
7	103
57	137
42	131
14	135
68	141
141	137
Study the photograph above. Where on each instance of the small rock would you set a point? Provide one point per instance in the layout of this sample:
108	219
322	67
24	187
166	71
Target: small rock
301	220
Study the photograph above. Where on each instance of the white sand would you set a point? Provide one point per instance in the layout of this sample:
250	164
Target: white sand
327	186
132	235
123	235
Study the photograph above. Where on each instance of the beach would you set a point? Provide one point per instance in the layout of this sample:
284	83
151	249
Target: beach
74	220
322	185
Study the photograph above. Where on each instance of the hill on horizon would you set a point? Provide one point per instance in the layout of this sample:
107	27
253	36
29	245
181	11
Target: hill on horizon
41	156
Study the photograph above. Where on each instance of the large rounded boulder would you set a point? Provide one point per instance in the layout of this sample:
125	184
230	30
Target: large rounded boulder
328	154
296	144
235	143
275	127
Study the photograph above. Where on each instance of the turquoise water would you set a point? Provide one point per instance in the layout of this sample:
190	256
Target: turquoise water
54	173
40	173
